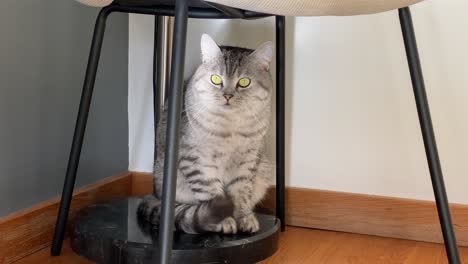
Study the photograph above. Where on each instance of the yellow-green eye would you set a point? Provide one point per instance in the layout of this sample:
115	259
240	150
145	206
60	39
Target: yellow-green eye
244	82
216	79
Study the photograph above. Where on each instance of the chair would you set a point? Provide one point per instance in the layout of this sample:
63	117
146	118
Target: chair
248	9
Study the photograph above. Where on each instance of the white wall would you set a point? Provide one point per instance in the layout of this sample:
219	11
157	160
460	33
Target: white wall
352	123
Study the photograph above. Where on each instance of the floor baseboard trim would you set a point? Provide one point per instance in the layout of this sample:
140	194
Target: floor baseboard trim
369	214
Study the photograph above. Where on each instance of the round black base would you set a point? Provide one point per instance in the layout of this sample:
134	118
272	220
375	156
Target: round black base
111	233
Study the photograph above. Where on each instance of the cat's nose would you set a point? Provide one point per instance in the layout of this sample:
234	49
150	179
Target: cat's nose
228	96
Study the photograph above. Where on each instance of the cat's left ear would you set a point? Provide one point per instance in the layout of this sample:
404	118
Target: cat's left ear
263	55
209	49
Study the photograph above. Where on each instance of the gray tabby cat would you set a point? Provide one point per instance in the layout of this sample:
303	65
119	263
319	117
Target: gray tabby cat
223	172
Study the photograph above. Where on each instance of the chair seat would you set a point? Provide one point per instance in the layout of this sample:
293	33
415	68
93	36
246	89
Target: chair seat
317	7
191	3
197	8
101	3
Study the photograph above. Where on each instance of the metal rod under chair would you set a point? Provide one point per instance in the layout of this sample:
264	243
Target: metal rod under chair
428	135
167	32
280	119
79	133
159	70
156	77
172	141
161	51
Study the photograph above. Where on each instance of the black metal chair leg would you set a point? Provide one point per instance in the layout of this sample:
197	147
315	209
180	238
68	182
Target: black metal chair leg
428	135
156	75
280	122
156	87
80	128
172	140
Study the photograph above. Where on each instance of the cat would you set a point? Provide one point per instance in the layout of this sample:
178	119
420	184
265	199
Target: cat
223	171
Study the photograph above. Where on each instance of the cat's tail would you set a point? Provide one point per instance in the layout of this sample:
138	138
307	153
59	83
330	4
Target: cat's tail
191	218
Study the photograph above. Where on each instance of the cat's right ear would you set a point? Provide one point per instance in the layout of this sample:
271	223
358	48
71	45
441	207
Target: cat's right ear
209	49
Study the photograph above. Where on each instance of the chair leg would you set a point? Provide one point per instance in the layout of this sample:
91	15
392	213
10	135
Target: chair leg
80	128
428	135
157	53
280	122
172	141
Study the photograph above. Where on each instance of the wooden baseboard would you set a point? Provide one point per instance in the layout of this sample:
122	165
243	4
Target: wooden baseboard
30	230
369	214
356	213
142	183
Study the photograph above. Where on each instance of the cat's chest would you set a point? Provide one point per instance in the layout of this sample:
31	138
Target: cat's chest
228	152
227	146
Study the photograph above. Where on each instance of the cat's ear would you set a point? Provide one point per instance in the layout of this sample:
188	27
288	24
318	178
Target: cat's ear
209	49
263	55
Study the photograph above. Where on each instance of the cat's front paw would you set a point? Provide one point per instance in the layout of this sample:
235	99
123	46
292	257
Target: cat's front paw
228	226
248	223
149	209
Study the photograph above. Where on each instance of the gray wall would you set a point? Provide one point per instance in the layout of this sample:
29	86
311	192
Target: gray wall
43	52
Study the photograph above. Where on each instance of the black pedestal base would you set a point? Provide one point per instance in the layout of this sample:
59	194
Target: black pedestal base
111	233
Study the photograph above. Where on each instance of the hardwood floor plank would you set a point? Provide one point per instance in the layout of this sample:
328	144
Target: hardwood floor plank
43	257
309	246
301	246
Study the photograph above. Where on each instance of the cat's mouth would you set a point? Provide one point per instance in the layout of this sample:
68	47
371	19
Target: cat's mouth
226	103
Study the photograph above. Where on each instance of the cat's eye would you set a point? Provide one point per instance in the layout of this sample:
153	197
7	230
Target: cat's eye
244	82
216	79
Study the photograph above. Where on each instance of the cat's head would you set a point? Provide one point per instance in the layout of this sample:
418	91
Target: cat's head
232	78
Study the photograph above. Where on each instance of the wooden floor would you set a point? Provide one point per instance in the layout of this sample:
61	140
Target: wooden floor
301	246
